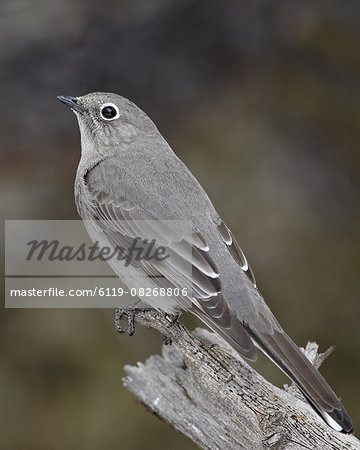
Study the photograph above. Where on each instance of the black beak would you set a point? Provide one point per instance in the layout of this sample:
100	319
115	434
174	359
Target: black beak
72	102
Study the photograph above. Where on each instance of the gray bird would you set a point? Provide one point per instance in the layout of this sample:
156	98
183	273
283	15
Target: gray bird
129	179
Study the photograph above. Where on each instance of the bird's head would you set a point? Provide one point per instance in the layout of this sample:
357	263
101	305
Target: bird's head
107	121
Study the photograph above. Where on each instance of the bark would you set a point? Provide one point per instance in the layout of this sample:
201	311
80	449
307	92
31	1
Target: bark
204	389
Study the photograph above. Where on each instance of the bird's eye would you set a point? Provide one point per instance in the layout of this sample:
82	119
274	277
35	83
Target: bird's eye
109	111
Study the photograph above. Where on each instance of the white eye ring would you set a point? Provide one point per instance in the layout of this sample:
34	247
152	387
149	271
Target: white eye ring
109	111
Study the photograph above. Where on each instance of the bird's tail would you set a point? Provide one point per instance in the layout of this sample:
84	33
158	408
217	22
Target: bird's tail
289	358
292	361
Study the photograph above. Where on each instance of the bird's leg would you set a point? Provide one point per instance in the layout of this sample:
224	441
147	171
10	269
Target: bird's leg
130	311
173	320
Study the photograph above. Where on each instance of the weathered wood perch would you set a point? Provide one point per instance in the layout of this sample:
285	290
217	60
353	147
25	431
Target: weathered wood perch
204	389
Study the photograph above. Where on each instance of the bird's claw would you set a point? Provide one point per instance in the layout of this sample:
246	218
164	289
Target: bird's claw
173	319
130	312
166	340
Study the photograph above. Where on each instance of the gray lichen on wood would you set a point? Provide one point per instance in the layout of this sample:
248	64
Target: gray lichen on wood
204	389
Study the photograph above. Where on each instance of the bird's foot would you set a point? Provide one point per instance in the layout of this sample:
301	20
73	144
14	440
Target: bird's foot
129	310
166	340
173	320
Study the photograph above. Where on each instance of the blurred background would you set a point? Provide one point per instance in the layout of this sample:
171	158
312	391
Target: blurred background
261	100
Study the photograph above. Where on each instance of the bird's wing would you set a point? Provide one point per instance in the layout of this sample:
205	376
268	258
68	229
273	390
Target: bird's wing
236	252
188	265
